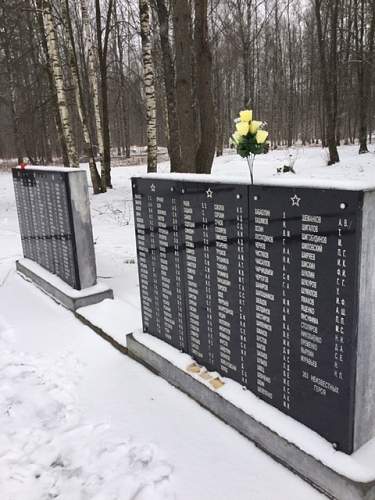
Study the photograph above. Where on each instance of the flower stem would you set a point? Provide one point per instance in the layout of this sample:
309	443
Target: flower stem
250	161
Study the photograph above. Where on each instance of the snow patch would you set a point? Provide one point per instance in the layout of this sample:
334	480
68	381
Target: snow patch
115	317
51	169
48	451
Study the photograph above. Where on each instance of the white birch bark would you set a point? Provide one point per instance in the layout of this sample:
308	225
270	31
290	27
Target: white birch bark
93	79
70	48
59	83
149	85
76	84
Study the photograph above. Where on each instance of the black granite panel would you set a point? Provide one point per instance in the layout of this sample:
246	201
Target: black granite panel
259	284
201	276
46	223
157	208
304	260
217	265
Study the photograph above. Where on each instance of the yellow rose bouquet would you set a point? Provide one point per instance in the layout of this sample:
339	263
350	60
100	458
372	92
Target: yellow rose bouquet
249	138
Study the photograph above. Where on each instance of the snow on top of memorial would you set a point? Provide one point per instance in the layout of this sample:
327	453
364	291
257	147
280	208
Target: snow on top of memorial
354	172
50	169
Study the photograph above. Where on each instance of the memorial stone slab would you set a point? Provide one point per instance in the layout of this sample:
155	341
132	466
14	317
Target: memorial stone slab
56	233
201	280
304	257
43	233
217	275
274	280
158	223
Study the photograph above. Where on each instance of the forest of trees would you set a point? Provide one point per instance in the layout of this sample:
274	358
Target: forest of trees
90	79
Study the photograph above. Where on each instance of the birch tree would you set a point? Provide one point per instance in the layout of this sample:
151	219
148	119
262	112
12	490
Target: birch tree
52	87
54	55
92	75
80	102
149	85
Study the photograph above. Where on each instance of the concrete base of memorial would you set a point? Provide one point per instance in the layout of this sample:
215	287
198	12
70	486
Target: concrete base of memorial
58	290
339	476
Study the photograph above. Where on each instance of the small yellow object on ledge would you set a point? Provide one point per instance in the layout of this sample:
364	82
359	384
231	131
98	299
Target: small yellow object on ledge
205	375
216	383
193	368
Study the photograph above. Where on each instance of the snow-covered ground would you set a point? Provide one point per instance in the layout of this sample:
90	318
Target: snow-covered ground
78	420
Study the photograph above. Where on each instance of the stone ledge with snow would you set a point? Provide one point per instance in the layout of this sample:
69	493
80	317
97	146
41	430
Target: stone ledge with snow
111	319
288	441
60	291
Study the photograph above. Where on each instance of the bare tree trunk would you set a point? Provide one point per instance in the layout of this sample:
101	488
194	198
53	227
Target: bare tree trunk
206	150
54	55
44	143
102	53
290	99
170	89
10	78
13	99
364	71
55	104
329	93
332	133
247	59
92	76
184	84
149	86
123	92
93	82
220	112
80	102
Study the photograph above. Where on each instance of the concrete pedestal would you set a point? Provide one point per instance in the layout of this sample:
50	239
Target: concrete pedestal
58	290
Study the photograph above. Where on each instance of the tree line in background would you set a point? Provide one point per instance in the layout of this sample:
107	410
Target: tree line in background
91	78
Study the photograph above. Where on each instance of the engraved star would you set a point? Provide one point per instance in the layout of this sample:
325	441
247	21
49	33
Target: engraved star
153	188
295	200
209	193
